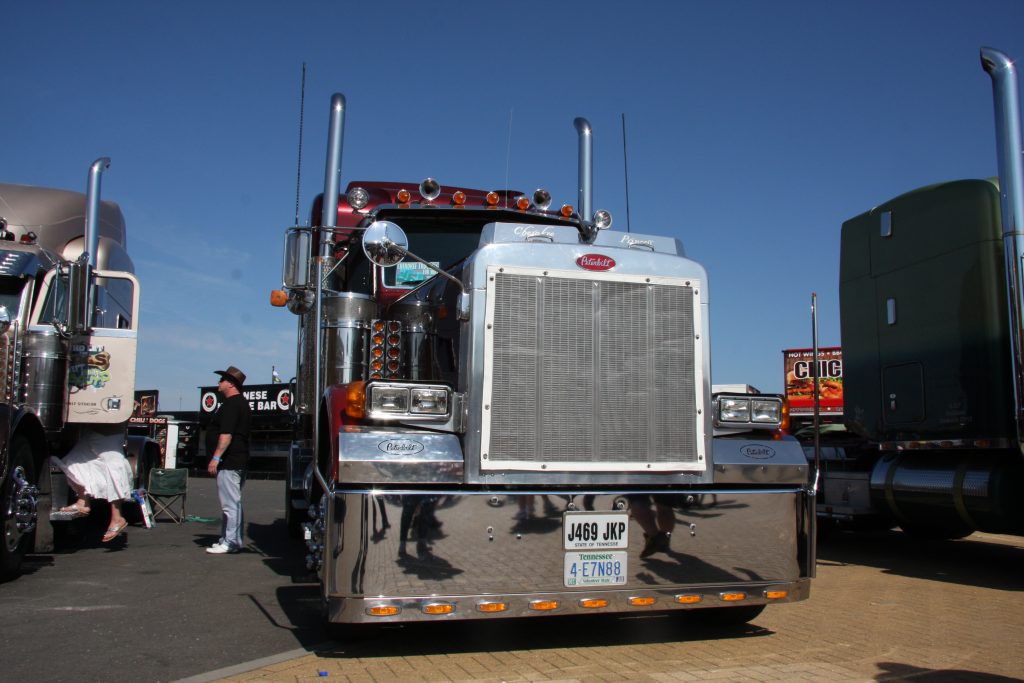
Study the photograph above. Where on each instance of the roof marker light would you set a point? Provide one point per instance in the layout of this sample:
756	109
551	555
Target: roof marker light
403	196
566	210
492	198
459	198
522	203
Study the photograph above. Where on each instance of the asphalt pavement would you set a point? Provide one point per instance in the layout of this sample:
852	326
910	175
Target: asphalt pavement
153	605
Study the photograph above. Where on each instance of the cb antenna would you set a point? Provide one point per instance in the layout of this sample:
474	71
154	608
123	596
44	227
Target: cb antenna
302	117
625	167
508	152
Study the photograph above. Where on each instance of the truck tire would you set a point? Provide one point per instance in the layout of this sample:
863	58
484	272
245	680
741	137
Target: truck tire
292	517
16	494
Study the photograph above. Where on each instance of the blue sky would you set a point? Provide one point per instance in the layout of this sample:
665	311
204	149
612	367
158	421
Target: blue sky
754	130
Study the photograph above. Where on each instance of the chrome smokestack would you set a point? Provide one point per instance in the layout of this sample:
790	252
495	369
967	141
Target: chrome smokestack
1011	192
332	176
586	169
92	208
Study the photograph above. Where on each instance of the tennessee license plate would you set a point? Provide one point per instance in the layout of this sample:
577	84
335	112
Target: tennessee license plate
600	568
595	531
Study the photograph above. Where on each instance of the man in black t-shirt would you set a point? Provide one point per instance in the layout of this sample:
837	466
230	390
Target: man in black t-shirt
230	428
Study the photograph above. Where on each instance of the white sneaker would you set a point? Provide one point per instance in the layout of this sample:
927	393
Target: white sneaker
219	549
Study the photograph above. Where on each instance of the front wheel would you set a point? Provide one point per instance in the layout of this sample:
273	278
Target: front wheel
17	508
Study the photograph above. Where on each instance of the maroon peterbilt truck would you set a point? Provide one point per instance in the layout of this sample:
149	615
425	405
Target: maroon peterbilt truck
504	408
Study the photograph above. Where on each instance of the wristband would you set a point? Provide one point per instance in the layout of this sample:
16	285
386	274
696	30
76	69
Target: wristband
216	459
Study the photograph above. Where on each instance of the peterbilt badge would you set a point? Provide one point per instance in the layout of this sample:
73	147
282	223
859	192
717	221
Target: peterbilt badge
595	262
758	451
400	447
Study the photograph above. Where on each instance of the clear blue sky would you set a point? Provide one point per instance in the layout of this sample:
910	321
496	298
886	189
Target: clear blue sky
754	130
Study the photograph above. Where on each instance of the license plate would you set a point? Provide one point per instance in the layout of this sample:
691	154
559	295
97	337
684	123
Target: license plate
595	531
601	568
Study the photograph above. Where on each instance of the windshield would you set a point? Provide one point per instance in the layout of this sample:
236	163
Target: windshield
10	295
442	246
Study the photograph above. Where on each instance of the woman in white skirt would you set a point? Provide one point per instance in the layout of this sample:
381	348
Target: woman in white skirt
96	468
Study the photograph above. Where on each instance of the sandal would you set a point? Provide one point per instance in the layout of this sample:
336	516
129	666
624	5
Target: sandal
75	511
114	531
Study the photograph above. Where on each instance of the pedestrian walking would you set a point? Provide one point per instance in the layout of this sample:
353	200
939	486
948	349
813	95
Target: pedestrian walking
227	438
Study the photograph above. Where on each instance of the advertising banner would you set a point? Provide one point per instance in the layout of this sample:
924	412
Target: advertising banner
799	369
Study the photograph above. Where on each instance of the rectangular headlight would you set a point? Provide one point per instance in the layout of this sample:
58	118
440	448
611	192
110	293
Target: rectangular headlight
766	410
389	399
734	410
424	401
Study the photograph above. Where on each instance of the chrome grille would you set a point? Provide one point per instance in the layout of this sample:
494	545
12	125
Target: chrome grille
591	372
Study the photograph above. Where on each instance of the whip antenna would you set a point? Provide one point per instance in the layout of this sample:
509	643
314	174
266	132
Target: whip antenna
625	168
302	116
508	153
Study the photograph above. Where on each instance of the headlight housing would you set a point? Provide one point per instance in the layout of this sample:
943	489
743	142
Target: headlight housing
407	401
748	411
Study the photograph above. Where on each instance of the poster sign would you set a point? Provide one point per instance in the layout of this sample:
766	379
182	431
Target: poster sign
799	369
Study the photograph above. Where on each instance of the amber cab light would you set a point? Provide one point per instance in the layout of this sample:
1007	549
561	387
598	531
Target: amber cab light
566	210
491	199
355	400
278	298
522	203
403	196
459	198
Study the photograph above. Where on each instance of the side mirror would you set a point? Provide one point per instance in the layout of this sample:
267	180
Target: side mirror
5	319
298	246
384	243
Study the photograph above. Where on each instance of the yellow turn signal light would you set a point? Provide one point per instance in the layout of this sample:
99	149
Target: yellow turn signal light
355	400
403	196
733	597
593	603
544	605
641	602
278	298
439	608
689	599
492	607
383	611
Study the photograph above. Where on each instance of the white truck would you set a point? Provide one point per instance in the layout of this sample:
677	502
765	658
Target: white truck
69	308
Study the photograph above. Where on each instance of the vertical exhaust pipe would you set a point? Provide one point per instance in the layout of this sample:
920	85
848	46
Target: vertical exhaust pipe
586	169
1006	99
92	208
332	175
328	220
80	272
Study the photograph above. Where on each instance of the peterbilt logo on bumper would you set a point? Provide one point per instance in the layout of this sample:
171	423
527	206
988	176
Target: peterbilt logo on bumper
758	451
400	446
595	262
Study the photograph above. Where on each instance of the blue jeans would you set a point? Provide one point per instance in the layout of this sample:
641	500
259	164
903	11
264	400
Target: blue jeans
229	490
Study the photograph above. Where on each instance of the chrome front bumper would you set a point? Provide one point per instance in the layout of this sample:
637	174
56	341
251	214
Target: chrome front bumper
403	555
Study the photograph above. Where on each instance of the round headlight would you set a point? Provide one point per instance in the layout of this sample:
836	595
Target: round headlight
541	199
358	198
430	189
602	219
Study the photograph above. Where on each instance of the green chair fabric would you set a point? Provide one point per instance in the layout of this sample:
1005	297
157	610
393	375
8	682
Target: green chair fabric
167	490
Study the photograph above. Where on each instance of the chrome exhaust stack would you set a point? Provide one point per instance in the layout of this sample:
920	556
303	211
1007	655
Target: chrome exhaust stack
585	187
332	175
80	272
1006	99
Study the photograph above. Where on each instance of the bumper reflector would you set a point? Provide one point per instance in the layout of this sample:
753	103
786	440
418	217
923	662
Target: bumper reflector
641	602
492	607
733	597
383	611
689	599
439	608
593	603
544	605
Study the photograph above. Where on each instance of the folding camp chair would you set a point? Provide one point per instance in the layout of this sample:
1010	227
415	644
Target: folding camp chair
167	488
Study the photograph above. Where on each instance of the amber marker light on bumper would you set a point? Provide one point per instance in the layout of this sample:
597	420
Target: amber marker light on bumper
439	608
776	594
383	611
733	597
689	599
641	602
544	605
491	607
593	603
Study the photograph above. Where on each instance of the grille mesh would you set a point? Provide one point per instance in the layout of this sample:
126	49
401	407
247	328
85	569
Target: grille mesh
591	371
